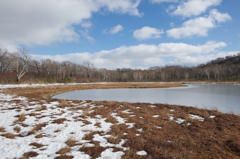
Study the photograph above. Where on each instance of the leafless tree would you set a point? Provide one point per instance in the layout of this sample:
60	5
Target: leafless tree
89	68
5	60
105	74
138	75
207	70
186	75
216	71
20	61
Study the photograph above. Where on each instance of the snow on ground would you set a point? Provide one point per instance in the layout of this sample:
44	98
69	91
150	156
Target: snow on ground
127	111
55	125
141	153
196	117
54	134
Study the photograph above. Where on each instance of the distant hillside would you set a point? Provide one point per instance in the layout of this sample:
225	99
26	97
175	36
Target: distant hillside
228	60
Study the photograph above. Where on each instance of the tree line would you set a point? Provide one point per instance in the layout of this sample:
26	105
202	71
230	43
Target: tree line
19	67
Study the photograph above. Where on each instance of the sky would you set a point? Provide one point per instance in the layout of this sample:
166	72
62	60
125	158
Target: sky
112	34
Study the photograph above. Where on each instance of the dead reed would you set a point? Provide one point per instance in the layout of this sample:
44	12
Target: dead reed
2	129
63	150
71	141
27	155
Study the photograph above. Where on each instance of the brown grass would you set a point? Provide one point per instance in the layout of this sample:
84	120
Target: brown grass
97	124
29	154
21	118
114	140
89	135
86	122
37	128
17	129
39	136
47	92
24	125
63	103
9	135
37	145
214	138
84	114
58	130
59	121
199	112
95	151
41	108
64	157
64	150
118	130
71	141
34	114
111	119
2	129
129	154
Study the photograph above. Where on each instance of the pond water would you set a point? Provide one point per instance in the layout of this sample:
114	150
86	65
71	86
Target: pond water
224	97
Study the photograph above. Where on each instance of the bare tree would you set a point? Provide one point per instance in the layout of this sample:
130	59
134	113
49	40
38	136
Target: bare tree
105	74
20	60
36	66
5	60
216	71
186	75
207	70
138	76
88	69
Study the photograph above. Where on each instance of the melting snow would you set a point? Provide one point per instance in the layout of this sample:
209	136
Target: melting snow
109	154
196	117
141	153
127	111
212	116
53	140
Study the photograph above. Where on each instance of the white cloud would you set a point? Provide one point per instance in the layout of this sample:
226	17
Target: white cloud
194	7
85	34
199	26
162	1
147	33
86	24
143	56
113	30
43	22
239	35
172	24
116	29
219	17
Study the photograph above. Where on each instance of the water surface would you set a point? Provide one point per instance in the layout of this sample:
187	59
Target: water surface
224	97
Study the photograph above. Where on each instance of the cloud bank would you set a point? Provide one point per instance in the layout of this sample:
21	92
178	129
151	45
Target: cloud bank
43	22
194	7
199	26
143	56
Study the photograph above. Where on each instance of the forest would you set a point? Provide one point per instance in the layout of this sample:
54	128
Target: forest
18	67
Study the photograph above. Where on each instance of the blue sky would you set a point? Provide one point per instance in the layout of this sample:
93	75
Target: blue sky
124	33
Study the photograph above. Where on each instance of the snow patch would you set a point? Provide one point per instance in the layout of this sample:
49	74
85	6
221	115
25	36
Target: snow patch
141	153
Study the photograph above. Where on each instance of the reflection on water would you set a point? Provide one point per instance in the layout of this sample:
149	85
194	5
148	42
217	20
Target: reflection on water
224	97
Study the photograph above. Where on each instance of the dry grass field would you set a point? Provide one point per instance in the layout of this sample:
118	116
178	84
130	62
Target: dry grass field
34	125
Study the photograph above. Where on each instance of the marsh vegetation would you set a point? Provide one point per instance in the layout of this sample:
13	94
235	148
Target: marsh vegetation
84	129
